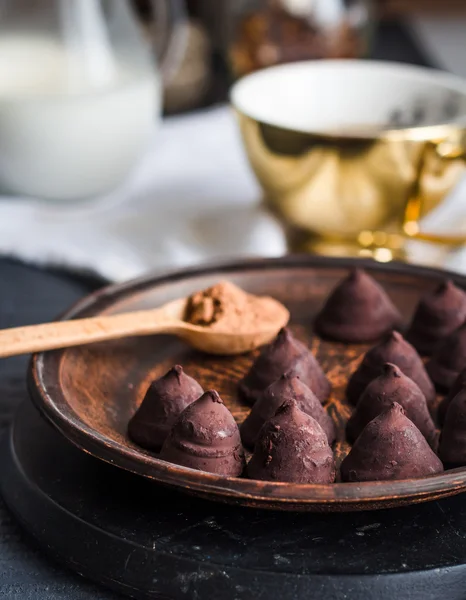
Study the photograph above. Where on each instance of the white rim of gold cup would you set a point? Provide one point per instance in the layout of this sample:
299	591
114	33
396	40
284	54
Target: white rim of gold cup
364	98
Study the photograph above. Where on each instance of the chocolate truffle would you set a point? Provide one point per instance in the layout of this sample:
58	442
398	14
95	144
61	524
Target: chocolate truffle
396	350
437	315
284	354
292	447
390	447
458	386
358	310
164	401
286	388
206	437
452	447
448	360
392	386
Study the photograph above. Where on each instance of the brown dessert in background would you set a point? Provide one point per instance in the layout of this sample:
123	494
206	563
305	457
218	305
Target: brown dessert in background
274	36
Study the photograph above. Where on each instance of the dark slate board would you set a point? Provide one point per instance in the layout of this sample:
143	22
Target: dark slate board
151	542
29	295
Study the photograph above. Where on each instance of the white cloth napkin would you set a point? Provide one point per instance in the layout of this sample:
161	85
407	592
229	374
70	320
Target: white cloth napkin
192	198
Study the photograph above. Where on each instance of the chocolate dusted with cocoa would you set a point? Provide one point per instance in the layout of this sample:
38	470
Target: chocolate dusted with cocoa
390	447
452	447
358	310
396	350
288	387
292	447
284	354
448	360
206	437
458	386
164	401
437	315
392	386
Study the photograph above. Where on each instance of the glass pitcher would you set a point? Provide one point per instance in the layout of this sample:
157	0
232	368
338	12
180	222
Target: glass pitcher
80	92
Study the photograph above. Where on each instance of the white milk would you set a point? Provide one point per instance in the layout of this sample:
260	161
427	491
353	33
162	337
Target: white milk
60	137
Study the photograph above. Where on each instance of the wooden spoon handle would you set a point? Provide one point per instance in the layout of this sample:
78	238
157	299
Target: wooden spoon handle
63	334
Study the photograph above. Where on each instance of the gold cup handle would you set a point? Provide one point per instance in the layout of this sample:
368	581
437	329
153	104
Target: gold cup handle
454	146
443	159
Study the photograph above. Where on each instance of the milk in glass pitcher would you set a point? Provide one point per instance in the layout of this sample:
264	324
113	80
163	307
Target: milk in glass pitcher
80	92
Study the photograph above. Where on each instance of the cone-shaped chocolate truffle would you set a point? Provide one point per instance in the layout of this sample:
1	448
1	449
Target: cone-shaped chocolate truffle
284	354
390	447
448	360
394	349
164	401
286	388
392	386
292	447
452	447
206	437
458	386
437	315
358	310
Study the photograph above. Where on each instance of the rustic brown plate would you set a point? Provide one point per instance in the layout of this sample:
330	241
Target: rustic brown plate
90	392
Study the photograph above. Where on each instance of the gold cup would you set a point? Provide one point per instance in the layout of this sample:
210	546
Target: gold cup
357	173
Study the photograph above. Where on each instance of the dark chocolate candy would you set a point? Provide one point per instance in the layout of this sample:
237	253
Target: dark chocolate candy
458	386
390	447
164	401
437	315
396	350
284	354
392	386
448	360
292	447
287	387
452	447
206	437
358	310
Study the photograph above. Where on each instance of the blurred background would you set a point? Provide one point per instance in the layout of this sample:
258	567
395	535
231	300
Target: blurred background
423	32
227	37
120	152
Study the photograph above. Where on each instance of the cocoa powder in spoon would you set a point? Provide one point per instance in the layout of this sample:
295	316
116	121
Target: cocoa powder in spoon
227	307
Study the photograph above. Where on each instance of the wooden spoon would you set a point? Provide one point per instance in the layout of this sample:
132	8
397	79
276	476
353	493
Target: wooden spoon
166	319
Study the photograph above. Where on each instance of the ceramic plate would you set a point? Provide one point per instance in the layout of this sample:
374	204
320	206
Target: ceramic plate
89	393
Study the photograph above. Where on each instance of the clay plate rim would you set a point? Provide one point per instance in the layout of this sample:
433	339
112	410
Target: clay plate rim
336	496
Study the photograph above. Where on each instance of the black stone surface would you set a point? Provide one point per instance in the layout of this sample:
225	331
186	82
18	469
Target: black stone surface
151	542
27	296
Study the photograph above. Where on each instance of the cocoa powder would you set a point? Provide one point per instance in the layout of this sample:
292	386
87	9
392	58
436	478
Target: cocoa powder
227	307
